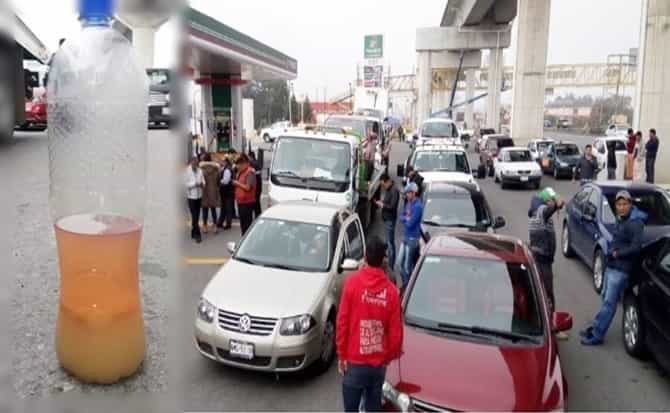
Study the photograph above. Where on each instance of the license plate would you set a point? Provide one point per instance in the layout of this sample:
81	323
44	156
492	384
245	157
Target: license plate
166	111
241	350
524	179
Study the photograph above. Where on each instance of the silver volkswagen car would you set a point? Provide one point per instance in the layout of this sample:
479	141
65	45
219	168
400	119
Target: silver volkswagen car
272	306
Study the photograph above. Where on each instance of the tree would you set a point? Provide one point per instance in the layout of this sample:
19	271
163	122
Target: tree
295	111
307	110
270	101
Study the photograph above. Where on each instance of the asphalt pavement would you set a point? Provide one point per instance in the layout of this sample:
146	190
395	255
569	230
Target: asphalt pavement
34	284
599	378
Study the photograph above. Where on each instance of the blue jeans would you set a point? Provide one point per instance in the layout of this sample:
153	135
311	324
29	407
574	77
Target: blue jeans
614	283
389	232
407	257
362	380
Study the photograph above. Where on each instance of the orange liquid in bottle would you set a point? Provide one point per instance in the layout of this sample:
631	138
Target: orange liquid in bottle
100	331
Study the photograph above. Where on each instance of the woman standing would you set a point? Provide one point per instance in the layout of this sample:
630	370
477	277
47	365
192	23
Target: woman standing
639	153
210	198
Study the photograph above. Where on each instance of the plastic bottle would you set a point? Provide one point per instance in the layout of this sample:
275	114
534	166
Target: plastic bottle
97	116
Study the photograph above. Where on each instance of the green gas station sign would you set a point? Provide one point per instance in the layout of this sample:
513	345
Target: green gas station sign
374	46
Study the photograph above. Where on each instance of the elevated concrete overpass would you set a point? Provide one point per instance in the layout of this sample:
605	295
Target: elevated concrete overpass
468	26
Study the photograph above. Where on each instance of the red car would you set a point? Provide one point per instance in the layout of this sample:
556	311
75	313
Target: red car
36	114
478	331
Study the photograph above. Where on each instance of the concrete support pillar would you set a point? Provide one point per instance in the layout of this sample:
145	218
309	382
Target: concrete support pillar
424	77
238	140
495	80
143	42
469	94
532	42
653	89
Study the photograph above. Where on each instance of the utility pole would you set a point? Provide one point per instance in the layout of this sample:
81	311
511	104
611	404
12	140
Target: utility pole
290	118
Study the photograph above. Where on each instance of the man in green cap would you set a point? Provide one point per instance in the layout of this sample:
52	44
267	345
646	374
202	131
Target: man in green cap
543	236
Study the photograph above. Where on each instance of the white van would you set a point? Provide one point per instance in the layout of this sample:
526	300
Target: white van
322	167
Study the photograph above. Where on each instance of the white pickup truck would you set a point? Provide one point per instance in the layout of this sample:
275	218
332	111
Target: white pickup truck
17	43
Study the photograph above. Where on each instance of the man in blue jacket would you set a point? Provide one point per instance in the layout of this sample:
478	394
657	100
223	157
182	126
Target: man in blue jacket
411	221
622	251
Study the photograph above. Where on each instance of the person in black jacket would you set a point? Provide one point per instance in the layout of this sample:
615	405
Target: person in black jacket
622	252
611	160
258	171
650	155
227	191
587	166
389	206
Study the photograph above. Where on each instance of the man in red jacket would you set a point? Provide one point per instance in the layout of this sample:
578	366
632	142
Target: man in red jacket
369	330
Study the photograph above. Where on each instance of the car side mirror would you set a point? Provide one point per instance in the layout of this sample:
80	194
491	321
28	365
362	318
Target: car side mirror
415	136
499	222
349	265
231	247
400	170
561	321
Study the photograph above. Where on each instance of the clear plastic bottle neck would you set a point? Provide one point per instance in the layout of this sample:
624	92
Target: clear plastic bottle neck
96	21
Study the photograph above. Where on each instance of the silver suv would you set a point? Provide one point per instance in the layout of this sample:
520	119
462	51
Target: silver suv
272	306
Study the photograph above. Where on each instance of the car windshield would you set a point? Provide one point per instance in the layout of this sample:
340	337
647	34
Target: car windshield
567	150
655	204
542	146
439	130
358	126
309	158
454	209
504	142
463	293
449	161
517	156
287	245
158	77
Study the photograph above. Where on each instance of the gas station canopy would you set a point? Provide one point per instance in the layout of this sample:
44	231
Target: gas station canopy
218	49
221	60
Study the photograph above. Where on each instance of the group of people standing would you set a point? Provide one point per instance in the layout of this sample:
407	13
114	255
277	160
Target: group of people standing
410	218
621	252
640	160
223	191
641	156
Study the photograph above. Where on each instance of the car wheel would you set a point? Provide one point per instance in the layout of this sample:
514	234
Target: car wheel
566	244
537	184
266	138
633	329
327	355
598	271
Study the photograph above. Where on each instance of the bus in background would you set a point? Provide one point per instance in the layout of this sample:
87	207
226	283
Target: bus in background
17	44
160	111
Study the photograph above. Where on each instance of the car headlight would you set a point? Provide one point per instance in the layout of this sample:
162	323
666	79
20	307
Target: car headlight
562	164
400	400
167	98
298	325
206	311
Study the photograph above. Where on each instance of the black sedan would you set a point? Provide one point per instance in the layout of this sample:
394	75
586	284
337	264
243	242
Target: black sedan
454	205
646	318
560	159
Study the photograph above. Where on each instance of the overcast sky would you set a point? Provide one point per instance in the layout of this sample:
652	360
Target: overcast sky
326	37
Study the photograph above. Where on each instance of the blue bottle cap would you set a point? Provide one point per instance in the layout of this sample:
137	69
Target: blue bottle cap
96	9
